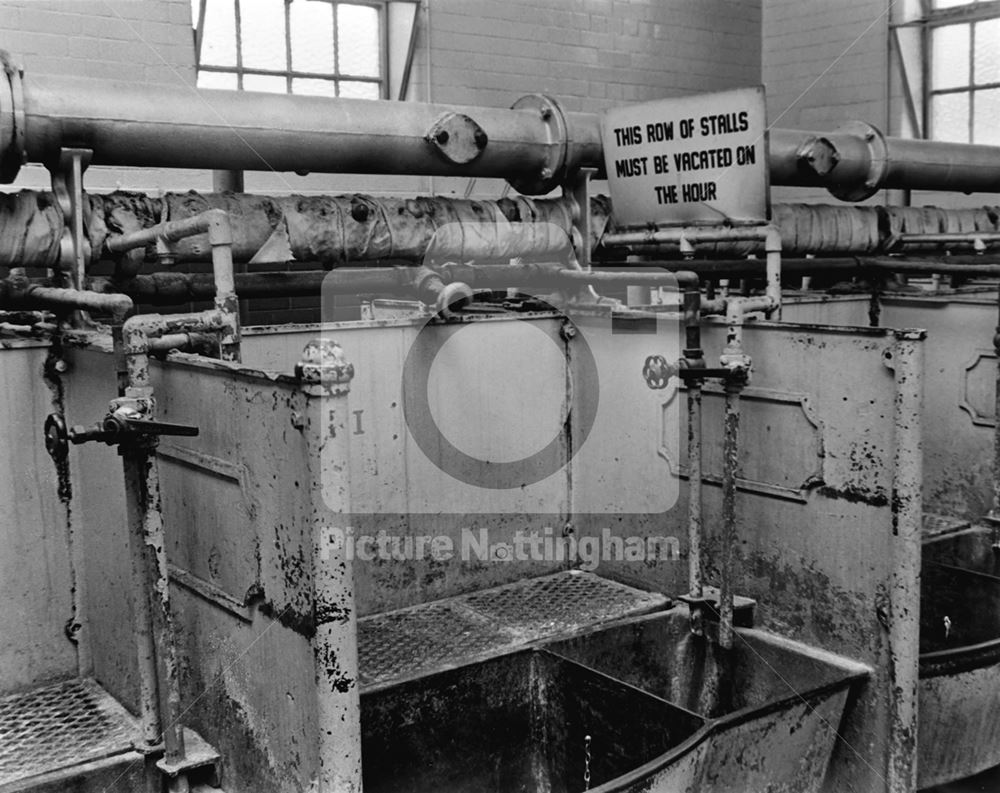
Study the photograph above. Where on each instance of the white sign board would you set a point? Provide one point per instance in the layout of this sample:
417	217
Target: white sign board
693	159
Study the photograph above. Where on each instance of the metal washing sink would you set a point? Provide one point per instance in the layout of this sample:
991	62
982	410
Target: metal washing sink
959	656
664	711
515	723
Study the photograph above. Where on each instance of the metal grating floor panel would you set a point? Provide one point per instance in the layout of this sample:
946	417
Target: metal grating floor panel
446	633
60	725
935	525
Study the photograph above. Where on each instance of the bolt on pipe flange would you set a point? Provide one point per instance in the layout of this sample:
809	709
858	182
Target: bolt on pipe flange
552	174
12	153
878	162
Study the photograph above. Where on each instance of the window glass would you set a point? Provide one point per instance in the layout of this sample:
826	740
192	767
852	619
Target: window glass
321	47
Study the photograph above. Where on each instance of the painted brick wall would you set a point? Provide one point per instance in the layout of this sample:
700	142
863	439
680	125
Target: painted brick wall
146	42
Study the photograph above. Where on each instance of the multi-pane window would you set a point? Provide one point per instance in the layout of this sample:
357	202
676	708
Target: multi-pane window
319	47
964	71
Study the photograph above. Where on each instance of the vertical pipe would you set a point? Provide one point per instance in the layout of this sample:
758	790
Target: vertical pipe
772	246
694	489
149	703
694	355
141	471
220	237
905	358
326	376
996	423
227	182
730	458
142	494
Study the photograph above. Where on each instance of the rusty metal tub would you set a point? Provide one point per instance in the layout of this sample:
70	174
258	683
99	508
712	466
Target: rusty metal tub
959	656
665	711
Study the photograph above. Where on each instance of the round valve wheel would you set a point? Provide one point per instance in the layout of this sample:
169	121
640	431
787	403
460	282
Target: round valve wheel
657	372
56	436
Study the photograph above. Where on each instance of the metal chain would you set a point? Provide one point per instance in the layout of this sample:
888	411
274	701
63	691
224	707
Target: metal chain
586	762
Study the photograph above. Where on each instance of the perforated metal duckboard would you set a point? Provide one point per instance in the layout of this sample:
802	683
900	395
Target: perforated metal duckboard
60	725
935	525
459	630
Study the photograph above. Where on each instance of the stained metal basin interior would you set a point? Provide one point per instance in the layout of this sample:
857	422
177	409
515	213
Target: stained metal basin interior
960	592
659	654
514	723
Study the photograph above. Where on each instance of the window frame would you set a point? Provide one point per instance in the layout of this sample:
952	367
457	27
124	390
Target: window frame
289	74
934	19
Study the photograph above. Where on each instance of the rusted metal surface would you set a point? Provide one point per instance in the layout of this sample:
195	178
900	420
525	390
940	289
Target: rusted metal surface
38	561
730	453
695	527
831	575
958	406
325	375
906	360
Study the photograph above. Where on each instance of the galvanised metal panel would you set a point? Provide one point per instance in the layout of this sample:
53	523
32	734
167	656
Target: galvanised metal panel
36	567
822	309
959	399
820	557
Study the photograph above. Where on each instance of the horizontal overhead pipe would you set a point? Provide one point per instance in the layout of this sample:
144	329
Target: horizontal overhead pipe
18	293
857	161
166	289
535	145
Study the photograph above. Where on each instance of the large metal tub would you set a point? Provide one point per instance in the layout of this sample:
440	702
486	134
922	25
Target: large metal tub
666	711
959	656
515	723
773	706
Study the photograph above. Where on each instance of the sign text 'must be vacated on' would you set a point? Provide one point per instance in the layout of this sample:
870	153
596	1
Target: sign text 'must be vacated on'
692	159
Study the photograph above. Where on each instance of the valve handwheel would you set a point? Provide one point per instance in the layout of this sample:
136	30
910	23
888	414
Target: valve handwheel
56	436
657	372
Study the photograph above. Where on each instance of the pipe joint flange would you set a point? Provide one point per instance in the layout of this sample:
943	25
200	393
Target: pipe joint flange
324	370
12	153
878	162
553	172
457	138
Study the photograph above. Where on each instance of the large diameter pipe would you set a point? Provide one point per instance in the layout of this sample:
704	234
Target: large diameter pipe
857	161
533	145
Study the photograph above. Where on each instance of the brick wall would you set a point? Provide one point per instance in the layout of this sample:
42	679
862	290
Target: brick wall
823	64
